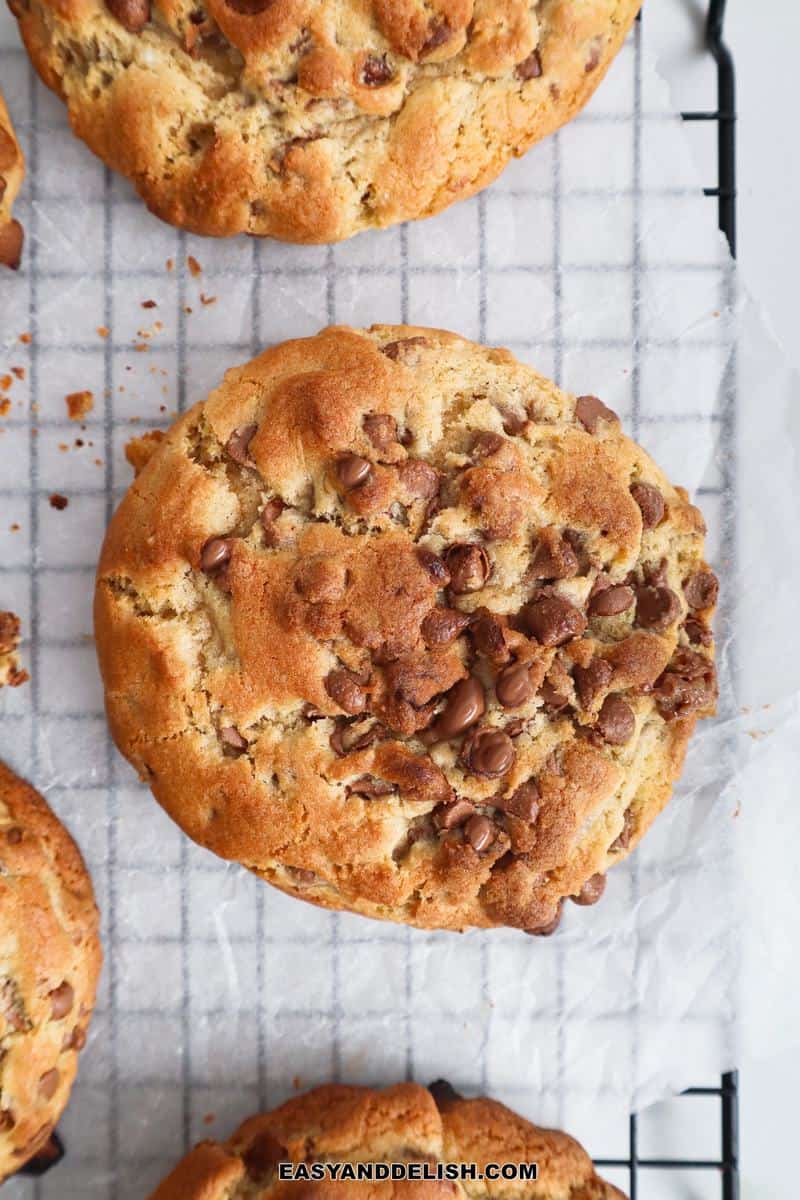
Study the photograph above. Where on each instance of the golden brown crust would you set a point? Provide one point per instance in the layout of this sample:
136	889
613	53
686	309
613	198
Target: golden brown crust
294	708
404	1123
12	172
311	121
50	960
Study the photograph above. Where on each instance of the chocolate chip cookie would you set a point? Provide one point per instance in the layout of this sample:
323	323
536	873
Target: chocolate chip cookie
311	121
49	963
402	1124
406	630
12	172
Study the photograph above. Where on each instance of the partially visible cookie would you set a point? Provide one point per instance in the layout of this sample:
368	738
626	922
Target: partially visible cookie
50	960
401	1124
12	171
10	672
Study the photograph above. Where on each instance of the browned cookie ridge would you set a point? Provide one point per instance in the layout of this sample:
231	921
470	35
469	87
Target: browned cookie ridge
49	964
309	120
404	1124
12	172
389	619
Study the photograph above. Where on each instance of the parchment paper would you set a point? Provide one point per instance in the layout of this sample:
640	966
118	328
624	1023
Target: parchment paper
597	260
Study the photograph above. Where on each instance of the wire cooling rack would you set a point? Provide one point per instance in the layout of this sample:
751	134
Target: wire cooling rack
119	1139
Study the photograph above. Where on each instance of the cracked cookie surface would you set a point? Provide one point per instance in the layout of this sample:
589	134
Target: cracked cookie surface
50	960
309	120
406	630
405	1123
12	172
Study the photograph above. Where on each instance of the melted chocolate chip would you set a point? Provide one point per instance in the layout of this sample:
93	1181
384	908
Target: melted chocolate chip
346	689
490	753
657	608
591	680
616	722
370	787
485	444
514	686
269	515
651	504
396	350
468	565
689	684
549	927
442	626
439	33
48	1084
419	478
611	601
553	557
353	471
589	410
523	803
346	738
698	633
591	891
530	67
466	704
381	429
215	555
701	589
553	620
450	816
132	15
238	444
376	71
624	839
232	738
61	1000
479	832
434	566
263	1155
489	637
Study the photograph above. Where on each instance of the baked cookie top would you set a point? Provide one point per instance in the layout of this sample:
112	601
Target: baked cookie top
405	1123
309	120
12	172
50	959
406	630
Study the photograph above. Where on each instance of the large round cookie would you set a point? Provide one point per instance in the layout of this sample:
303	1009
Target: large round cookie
402	1124
49	963
309	120
406	630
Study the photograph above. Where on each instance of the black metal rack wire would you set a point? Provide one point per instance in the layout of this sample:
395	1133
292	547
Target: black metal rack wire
726	1166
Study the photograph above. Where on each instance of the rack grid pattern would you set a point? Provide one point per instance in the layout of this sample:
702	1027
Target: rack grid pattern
155	904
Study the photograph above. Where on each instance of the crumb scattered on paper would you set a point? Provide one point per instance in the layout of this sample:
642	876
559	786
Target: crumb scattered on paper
103	331
10	673
139	450
79	405
149	304
204	299
58	501
194	266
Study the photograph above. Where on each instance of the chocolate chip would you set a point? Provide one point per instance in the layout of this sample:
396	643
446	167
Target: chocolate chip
651	504
61	1000
353	737
353	471
553	556
513	423
489	637
14	835
523	803
76	1040
591	891
689	684
370	787
490	753
514	728
701	589
450	816
530	67
485	444
698	633
346	689
215	555
552	698
593	59
238	443
549	927
396	350
624	839
442	626
656	608
434	566
132	15
376	71
466	704
468	565
419	478
553	620
591	680
263	1155
381	429
611	601
615	723
438	35
48	1084
444	1094
479	832
271	511
589	410
231	737
514	686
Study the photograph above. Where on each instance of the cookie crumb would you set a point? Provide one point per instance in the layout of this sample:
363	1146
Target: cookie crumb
103	331
170	264
5	407
79	405
25	338
5	383
149	304
139	450
194	266
206	300
19	372
58	501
